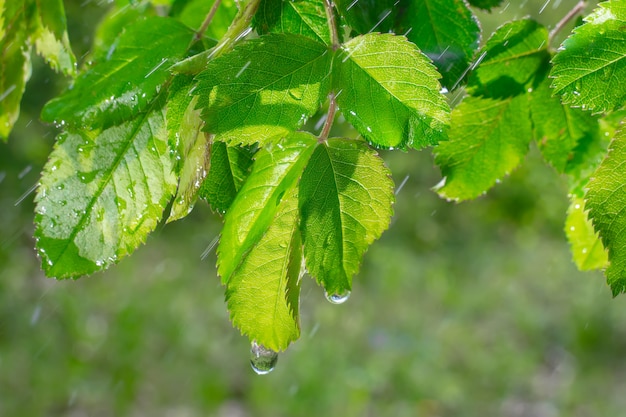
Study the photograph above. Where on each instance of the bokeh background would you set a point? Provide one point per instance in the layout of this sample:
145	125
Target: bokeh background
460	310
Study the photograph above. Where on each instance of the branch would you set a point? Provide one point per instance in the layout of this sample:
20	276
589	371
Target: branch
207	20
330	16
328	124
579	7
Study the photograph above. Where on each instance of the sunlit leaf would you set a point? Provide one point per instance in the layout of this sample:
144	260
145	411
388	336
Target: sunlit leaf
590	67
304	17
559	129
587	250
510	60
51	37
390	92
259	256
264	88
346	196
189	142
100	195
230	166
15	63
117	88
605	201
488	139
447	32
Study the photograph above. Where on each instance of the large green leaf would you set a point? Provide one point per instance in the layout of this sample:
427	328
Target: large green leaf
447	32
101	193
130	77
590	67
587	250
365	16
190	144
304	17
346	196
559	129
390	92
510	60
230	166
264	88
15	63
51	38
606	202
259	255
488	139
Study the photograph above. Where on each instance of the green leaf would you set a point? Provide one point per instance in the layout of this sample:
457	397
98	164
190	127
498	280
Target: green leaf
51	38
346	196
304	17
447	32
130	77
510	60
193	12
264	88
390	92
559	129
590	68
259	255
605	200
101	193
365	16
587	250
488	139
15	63
191	145
485	4
230	166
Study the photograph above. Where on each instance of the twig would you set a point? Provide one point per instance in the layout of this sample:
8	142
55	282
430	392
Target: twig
207	20
328	124
566	19
330	16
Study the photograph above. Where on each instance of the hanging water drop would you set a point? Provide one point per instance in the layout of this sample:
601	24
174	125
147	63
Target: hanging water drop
338	298
262	359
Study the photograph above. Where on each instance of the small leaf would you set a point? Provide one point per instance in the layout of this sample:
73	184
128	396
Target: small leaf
100	195
304	17
51	37
587	250
365	16
191	145
510	60
259	255
264	88
447	32
605	200
488	139
485	4
15	64
389	92
346	196
230	166
559	129
590	68
116	89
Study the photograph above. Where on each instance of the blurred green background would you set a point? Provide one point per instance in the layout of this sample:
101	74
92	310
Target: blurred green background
459	310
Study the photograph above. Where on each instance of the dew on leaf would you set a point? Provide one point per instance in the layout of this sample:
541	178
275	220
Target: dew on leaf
338	298
262	359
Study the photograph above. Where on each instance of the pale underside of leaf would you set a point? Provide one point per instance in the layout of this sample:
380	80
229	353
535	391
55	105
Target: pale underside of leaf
100	195
587	249
390	92
346	197
590	68
51	37
606	202
488	140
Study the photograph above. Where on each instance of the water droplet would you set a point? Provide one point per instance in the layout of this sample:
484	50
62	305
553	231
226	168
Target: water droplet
262	359
338	298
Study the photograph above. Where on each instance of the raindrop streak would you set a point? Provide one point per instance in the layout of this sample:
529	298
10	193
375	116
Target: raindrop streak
338	298
262	359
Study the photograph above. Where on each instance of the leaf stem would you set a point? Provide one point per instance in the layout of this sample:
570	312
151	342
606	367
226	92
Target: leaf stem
567	18
207	20
332	25
330	117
